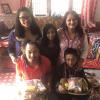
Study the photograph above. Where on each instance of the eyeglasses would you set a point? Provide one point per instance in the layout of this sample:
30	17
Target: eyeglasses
24	17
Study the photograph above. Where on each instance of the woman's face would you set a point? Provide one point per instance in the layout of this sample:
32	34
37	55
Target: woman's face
24	19
32	53
71	22
70	60
51	34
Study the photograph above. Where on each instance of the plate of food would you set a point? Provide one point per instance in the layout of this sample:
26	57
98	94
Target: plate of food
71	93
36	85
29	88
74	86
62	86
77	86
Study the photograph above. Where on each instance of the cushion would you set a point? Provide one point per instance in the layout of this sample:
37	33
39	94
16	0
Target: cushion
94	40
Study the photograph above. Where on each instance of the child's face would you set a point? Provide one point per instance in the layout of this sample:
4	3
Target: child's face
70	60
32	53
51	34
71	21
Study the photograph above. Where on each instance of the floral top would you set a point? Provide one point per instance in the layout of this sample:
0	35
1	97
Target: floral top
80	44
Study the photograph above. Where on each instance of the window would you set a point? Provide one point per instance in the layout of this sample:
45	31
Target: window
58	7
77	5
39	7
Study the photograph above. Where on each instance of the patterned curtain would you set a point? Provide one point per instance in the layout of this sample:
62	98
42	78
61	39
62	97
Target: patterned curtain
88	12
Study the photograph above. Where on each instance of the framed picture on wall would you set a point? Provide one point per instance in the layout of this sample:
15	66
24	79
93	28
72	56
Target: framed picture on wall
6	8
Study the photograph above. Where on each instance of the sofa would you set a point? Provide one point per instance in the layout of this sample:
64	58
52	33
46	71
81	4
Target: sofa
56	21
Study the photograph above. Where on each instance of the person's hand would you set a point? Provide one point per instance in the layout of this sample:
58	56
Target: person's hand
61	88
98	54
81	62
14	59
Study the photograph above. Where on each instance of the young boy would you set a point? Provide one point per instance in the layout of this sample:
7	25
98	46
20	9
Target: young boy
32	65
70	68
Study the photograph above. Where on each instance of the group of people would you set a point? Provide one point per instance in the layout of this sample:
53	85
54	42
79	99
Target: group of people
51	54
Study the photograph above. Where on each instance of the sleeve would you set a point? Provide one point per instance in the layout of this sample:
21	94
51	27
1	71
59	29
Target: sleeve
85	47
57	75
59	31
18	70
11	43
48	65
46	78
81	72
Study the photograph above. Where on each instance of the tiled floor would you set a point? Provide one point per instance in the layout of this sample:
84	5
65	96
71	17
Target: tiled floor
7	84
7	78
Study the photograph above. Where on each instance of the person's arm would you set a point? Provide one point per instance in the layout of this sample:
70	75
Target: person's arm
49	77
98	54
85	47
11	46
60	32
19	76
57	77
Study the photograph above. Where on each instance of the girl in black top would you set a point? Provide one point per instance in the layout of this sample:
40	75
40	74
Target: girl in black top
50	43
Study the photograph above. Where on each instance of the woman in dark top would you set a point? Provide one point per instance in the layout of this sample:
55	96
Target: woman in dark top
70	68
50	43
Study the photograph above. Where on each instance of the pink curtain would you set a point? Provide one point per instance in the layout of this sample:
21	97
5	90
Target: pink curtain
25	3
22	3
88	12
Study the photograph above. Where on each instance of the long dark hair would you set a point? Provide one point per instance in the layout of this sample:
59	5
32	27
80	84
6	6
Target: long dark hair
45	40
79	28
19	29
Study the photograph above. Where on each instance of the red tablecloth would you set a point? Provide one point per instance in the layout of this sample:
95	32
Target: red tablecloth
91	64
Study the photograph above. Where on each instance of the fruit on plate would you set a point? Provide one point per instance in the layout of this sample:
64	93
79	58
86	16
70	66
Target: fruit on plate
66	85
63	85
31	88
77	85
